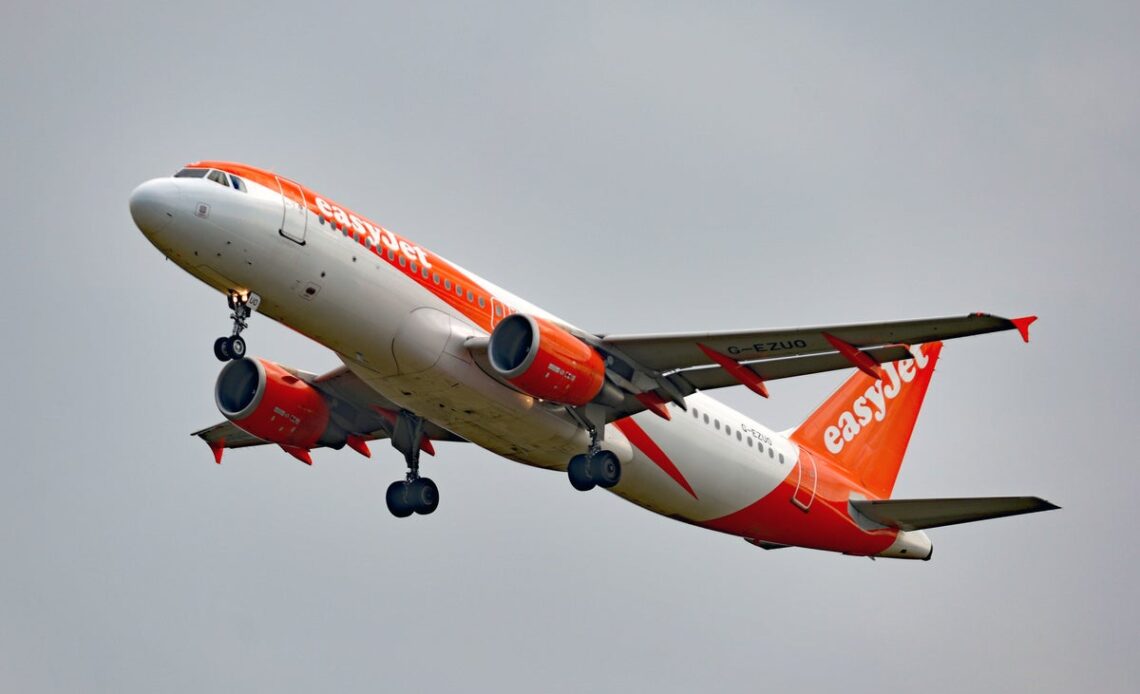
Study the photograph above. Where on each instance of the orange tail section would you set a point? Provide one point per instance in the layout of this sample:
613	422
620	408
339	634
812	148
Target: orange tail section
865	426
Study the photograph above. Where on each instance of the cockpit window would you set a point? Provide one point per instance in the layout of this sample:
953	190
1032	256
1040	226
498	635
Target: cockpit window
191	173
218	177
238	183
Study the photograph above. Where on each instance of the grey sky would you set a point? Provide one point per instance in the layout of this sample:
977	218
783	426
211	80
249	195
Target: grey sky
631	168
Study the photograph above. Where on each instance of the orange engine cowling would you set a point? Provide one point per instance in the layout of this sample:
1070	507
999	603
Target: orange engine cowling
266	400
543	360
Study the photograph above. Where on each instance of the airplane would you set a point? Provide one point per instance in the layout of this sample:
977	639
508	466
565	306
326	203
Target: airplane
432	352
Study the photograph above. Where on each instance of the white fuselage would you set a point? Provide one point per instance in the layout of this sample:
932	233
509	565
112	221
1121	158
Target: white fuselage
409	345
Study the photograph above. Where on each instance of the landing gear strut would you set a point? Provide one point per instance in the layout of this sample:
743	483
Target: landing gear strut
413	494
596	467
243	306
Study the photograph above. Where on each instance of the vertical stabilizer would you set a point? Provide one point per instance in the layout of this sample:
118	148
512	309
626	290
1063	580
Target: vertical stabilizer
865	426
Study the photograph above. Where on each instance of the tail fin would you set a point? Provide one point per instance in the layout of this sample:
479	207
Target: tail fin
865	426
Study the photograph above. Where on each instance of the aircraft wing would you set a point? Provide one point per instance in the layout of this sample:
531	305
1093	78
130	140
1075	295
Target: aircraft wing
227	435
670	352
918	514
353	404
651	370
667	367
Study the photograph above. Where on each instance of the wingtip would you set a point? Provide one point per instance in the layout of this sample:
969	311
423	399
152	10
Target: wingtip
217	448
1022	324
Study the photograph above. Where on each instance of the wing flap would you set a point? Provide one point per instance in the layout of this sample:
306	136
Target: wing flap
668	352
228	435
919	514
709	377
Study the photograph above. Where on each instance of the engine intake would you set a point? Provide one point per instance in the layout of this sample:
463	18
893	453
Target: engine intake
545	361
266	400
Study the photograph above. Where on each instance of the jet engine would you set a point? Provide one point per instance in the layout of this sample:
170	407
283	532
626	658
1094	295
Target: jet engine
266	400
545	361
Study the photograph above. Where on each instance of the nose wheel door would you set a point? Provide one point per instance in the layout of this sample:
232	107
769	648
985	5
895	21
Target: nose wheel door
294	215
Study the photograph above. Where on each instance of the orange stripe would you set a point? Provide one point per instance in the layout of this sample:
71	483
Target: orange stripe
480	316
639	438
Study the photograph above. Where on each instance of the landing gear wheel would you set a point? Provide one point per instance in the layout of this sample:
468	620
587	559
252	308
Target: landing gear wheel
222	348
605	469
236	346
579	473
397	498
423	495
243	306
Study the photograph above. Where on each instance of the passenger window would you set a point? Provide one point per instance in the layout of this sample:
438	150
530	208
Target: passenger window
447	285
218	177
482	302
458	291
716	423
470	295
415	268
728	430
771	453
738	436
425	274
435	277
760	446
781	458
403	261
498	310
391	254
695	415
750	442
706	419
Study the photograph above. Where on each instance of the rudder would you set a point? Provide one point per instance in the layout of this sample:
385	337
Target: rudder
866	424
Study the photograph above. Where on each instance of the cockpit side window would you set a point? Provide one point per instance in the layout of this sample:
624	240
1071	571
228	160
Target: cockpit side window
191	173
238	183
218	177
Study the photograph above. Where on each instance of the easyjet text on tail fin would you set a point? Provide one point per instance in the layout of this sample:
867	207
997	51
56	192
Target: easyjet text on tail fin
865	426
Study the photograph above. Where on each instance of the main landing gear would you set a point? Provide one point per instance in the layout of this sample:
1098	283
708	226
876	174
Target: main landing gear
601	469
243	306
596	467
414	494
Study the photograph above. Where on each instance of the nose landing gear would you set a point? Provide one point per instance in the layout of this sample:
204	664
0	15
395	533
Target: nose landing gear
414	494
243	306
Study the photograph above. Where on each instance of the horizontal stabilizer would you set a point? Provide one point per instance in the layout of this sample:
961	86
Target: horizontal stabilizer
917	514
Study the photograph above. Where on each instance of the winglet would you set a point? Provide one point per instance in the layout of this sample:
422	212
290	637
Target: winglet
856	356
1022	324
217	447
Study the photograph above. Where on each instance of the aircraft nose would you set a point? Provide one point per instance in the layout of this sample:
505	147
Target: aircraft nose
153	204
